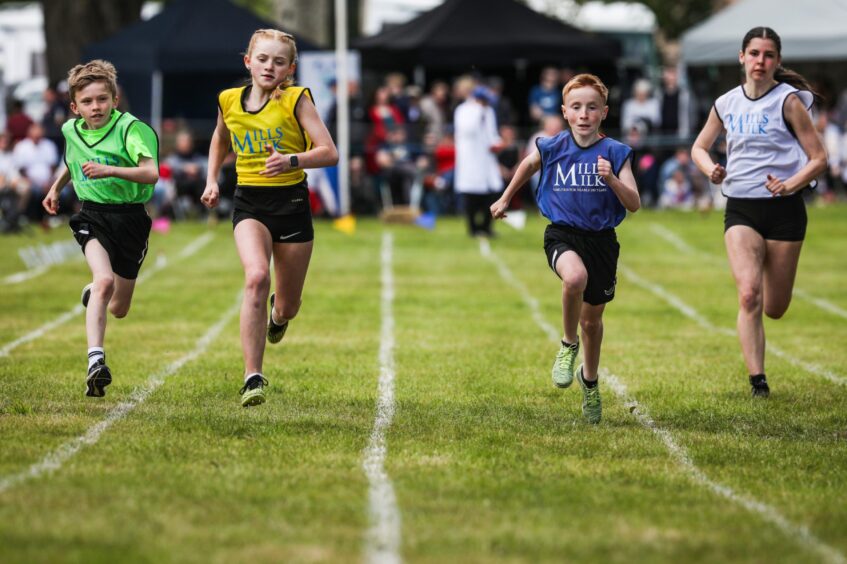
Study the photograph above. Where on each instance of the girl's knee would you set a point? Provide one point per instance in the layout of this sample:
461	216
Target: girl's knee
104	286
591	325
257	280
750	298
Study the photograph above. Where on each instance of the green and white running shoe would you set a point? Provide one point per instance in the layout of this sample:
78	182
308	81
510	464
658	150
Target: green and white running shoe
253	392
592	407
564	365
275	332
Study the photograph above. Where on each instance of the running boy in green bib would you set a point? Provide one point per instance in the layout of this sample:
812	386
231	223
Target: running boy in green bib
112	158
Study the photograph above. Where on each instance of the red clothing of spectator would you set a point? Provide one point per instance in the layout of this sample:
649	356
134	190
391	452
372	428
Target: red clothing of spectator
17	125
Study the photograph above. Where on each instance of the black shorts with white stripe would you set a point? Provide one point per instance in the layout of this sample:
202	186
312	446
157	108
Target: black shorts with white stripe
121	229
599	252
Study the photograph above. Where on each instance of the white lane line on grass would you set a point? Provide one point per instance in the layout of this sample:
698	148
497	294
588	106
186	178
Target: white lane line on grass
769	513
823	304
676	241
158	265
694	315
25	275
55	459
383	536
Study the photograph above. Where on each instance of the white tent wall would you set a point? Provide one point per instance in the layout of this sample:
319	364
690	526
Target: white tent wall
811	30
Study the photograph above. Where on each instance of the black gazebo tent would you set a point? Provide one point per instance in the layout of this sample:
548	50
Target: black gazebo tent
173	64
484	33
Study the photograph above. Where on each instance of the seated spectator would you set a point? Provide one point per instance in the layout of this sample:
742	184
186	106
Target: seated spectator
641	108
676	191
36	158
645	165
399	166
188	170
681	184
14	189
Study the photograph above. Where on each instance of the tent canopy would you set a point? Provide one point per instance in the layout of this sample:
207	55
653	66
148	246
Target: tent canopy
811	30
484	33
186	36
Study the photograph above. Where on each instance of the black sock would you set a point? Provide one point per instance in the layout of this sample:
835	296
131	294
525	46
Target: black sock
589	383
569	345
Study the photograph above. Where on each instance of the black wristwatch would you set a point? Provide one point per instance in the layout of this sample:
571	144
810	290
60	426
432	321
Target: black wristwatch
294	161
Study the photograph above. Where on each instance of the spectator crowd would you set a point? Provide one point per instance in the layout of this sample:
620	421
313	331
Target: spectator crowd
407	146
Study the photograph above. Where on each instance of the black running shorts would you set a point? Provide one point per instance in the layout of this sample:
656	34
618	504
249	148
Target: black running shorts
122	229
781	218
283	210
599	252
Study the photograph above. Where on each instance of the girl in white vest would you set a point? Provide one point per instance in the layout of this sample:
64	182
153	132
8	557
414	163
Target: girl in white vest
773	154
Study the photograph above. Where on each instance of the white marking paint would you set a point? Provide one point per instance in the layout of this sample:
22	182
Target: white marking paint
161	262
799	533
694	315
682	246
383	536
55	459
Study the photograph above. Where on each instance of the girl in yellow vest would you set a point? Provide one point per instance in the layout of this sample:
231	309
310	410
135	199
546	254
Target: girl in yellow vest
275	132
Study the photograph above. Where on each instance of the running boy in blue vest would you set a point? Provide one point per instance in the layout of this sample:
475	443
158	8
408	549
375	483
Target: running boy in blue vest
586	188
112	158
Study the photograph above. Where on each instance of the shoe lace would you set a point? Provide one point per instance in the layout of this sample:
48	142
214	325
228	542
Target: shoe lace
253	383
566	357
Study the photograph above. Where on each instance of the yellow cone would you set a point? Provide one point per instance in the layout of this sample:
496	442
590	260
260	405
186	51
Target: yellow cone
346	224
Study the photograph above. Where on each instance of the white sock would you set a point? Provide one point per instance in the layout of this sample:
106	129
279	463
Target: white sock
95	354
248	376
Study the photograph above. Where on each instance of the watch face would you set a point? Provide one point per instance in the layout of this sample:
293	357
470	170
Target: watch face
294	161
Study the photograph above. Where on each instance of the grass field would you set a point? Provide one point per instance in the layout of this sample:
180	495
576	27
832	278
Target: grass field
411	415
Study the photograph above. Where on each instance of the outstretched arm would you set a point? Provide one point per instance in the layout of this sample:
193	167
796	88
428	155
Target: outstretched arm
529	166
51	200
217	151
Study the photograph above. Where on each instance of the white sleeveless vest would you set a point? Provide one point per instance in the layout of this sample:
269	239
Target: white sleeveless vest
758	139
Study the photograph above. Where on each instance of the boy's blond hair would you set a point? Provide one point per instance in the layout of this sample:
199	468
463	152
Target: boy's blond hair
97	70
585	79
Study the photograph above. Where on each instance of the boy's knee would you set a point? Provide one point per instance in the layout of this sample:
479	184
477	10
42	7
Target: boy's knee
591	325
575	282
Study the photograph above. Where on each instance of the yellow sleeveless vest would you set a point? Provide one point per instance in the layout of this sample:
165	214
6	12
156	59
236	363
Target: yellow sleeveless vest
274	124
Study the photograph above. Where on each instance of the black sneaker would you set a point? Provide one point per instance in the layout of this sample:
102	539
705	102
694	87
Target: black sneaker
759	386
99	376
275	332
253	392
86	294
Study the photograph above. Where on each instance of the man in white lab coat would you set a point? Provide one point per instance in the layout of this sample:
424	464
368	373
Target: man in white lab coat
477	175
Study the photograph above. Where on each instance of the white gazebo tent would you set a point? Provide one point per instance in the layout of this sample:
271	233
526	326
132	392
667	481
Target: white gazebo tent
811	30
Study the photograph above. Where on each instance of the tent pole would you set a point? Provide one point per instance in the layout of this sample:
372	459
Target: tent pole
420	76
343	106
156	102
